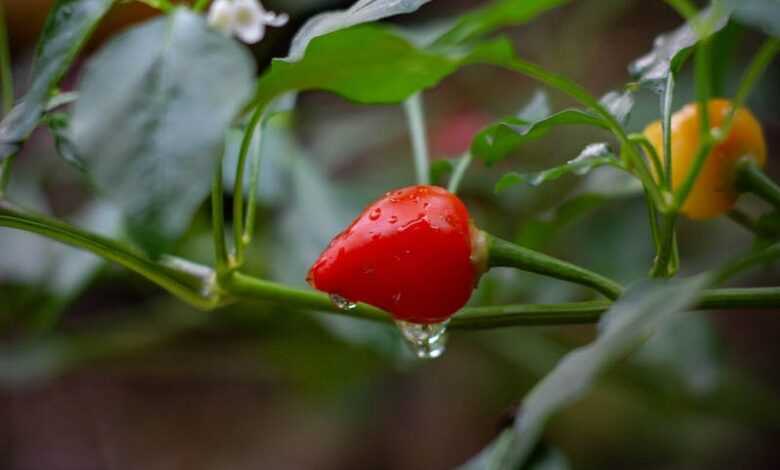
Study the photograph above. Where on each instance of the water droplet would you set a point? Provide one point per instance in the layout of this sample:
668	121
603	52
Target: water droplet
375	213
341	303
425	341
393	219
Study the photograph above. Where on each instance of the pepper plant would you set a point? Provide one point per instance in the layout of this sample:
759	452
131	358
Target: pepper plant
169	110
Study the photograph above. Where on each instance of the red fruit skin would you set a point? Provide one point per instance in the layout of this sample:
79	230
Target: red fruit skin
408	253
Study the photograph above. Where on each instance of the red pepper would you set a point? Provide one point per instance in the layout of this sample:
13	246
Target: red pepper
409	253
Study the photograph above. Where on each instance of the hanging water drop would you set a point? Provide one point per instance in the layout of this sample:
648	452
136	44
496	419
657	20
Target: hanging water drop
375	213
341	303
425	341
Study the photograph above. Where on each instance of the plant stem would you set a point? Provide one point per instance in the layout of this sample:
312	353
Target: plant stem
250	288
254	175
706	139
662	265
218	219
415	116
460	170
741	298
481	318
668	101
238	187
643	142
754	71
750	178
652	216
745	221
502	253
759	258
195	286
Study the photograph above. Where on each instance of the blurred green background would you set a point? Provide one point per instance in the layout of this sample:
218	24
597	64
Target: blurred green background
101	370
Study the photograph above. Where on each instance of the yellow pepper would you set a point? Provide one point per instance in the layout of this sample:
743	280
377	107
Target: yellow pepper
714	192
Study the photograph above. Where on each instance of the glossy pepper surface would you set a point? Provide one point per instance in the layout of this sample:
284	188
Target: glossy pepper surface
408	253
714	192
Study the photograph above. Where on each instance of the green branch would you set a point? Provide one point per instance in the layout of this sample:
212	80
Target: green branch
505	254
750	178
238	186
415	117
194	284
198	285
218	219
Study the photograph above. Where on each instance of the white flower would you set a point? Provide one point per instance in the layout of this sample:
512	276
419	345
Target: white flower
245	19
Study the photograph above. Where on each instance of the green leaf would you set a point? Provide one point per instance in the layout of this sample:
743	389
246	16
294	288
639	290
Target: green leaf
154	107
69	25
543	456
619	104
670	50
633	319
594	156
760	14
441	168
687	347
368	64
498	140
362	11
493	16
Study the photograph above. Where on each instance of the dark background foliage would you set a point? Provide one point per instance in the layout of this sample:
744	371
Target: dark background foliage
131	378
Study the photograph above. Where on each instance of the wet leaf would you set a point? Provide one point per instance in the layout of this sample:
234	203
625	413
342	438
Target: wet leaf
670	50
594	156
368	64
493	16
362	11
498	140
543	457
149	122
67	28
642	310
619	104
687	346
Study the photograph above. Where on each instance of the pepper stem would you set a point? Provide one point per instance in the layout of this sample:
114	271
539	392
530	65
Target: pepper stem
502	253
751	178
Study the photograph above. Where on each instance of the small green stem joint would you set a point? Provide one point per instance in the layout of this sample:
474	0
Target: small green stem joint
751	178
504	254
